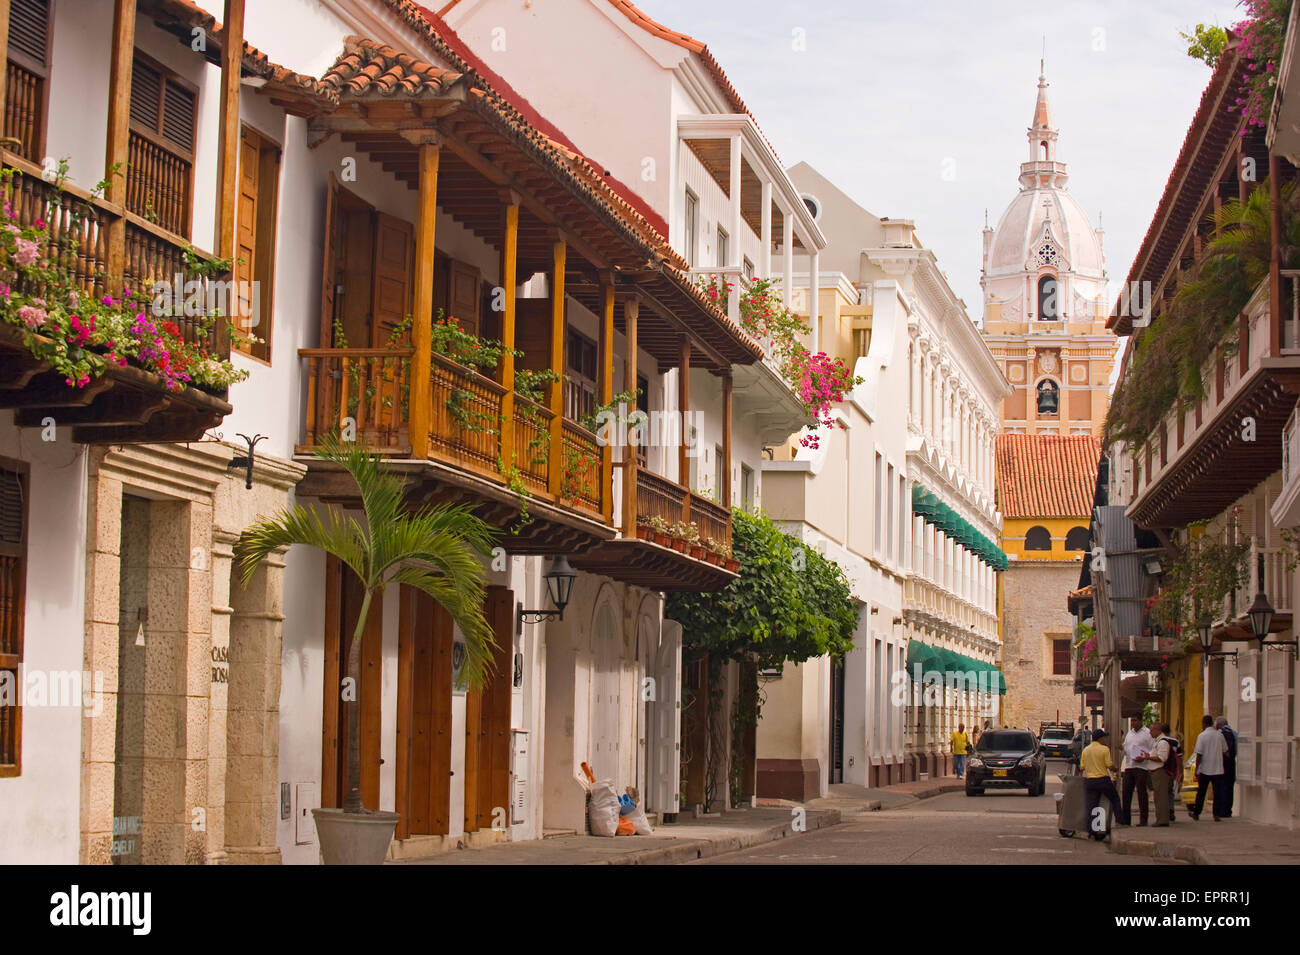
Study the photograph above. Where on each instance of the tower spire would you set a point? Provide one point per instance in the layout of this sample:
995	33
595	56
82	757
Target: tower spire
1043	169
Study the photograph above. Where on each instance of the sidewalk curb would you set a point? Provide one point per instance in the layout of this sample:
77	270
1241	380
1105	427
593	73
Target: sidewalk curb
707	848
1185	852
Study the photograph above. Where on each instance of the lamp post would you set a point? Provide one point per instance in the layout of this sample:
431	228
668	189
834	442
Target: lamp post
559	586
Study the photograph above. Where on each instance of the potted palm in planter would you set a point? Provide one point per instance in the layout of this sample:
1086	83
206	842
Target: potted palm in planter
438	550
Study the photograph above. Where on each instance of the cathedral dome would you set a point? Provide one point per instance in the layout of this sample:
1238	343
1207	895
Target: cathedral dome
1042	225
1043	228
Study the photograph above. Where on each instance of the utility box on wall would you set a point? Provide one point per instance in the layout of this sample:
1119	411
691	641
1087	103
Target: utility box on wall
519	795
306	799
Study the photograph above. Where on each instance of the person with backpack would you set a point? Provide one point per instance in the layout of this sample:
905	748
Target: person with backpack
1229	761
1165	753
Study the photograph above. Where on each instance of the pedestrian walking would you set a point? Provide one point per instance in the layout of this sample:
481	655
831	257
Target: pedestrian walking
1229	763
960	746
1098	768
1209	752
1165	753
1137	768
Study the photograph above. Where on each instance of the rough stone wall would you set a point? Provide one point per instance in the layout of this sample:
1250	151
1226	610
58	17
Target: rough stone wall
1034	610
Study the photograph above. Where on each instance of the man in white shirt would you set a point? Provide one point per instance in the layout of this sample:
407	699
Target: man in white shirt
1138	745
1209	752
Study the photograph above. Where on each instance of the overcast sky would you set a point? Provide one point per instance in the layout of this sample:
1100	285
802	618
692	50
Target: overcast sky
886	91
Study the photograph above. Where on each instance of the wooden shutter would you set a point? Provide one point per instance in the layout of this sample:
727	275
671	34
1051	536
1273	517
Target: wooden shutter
26	76
423	771
259	176
13	573
246	227
494	726
533	333
160	155
391	290
1247	718
464	297
1060	657
1274	731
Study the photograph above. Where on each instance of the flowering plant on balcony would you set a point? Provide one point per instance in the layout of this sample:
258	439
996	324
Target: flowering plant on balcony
1206	568
818	379
79	336
1262	37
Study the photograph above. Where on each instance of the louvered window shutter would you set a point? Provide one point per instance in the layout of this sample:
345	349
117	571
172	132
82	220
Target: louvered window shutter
29	25
13	553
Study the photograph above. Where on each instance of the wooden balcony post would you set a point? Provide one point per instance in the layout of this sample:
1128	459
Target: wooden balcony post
631	308
684	408
4	47
509	245
117	146
1275	318
422	312
724	492
606	396
232	58
555	391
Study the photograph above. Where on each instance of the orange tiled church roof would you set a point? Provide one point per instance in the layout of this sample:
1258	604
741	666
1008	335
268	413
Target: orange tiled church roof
1046	475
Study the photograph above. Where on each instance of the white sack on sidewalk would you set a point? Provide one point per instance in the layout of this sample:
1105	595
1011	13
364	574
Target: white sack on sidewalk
602	814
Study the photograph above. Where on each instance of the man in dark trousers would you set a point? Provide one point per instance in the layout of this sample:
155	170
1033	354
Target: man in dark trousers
1210	748
1098	769
1229	762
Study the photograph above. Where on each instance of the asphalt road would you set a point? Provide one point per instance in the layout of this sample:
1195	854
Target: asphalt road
1007	827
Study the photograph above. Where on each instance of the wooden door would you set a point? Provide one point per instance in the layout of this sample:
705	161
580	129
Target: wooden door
394	257
487	722
343	594
423	769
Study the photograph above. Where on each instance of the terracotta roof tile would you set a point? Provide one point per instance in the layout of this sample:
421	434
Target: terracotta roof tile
1046	475
367	64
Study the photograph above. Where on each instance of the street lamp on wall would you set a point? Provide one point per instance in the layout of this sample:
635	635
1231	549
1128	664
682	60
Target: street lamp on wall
1205	631
559	586
1261	621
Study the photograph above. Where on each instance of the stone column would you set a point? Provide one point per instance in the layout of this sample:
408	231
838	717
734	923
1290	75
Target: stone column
223	543
99	730
253	716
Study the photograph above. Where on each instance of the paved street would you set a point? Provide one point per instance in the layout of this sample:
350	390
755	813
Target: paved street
951	829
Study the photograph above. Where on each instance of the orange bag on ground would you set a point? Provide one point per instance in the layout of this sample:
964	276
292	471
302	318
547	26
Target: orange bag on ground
625	827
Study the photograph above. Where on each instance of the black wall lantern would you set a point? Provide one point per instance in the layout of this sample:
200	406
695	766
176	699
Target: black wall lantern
1261	622
1205	631
559	586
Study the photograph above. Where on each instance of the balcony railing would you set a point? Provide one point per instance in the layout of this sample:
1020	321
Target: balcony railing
1087	674
659	497
925	597
1276	582
367	390
78	225
158	184
23	110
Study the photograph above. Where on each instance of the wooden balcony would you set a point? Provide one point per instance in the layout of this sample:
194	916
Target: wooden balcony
124	405
641	561
1232	619
365	393
1208	454
1087	674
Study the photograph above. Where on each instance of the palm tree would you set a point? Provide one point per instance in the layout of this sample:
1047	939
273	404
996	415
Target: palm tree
436	549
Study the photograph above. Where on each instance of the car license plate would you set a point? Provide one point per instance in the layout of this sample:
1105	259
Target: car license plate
999	772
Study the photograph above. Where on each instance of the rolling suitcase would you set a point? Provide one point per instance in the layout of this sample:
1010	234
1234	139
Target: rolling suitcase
1072	809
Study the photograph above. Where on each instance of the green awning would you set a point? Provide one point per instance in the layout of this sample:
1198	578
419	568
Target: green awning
933	511
920	659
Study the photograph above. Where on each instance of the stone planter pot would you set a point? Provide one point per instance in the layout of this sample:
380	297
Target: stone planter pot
348	838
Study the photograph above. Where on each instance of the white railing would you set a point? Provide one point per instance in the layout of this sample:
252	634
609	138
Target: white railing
1291	315
920	594
1290	446
1276	582
733	276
